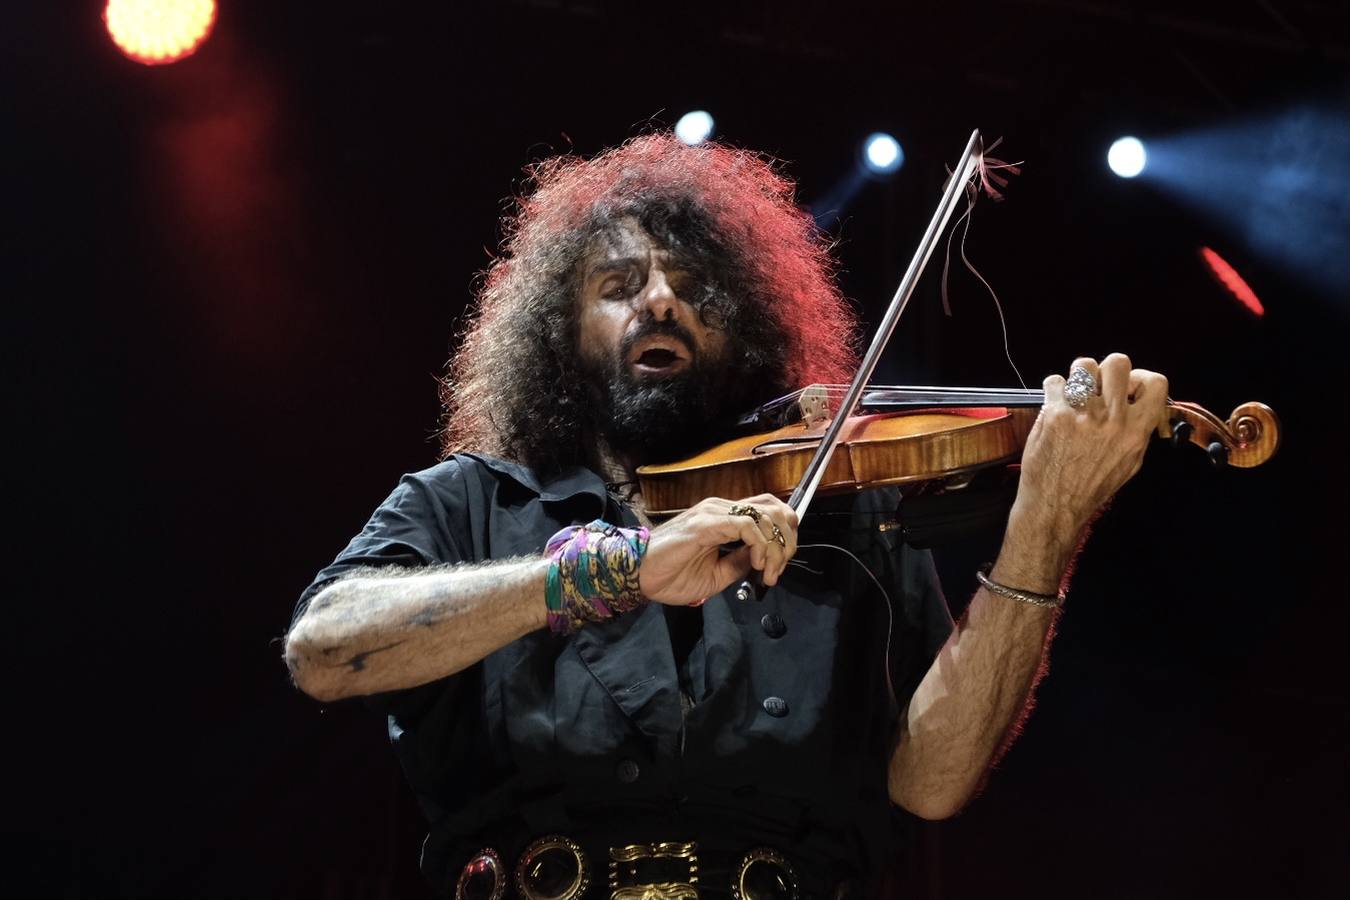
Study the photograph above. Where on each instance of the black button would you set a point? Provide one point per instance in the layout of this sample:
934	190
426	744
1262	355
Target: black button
773	625
627	771
776	707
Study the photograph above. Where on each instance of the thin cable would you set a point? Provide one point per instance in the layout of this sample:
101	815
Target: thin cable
890	613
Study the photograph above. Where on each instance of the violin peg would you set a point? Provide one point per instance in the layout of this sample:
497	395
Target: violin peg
1218	453
1181	431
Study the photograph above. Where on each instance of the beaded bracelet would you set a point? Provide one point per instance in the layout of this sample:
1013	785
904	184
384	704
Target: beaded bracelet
593	574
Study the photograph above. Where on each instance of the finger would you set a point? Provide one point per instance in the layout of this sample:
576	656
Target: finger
1053	386
1115	383
732	567
1148	396
784	518
748	533
1147	387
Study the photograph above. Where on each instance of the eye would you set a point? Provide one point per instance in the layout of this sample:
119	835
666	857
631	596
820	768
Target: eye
620	288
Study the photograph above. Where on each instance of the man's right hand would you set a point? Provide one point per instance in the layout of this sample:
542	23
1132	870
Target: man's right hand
685	563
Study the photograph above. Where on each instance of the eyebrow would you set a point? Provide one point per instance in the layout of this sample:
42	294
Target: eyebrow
614	264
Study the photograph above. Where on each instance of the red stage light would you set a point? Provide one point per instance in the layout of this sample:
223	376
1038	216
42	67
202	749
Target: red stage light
159	31
1229	278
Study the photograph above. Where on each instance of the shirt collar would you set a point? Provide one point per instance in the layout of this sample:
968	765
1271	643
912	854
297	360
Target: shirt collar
571	482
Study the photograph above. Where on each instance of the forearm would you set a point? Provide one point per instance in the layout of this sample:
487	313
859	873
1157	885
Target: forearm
380	632
972	699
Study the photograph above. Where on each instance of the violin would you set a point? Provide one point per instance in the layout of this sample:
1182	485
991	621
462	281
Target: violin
875	435
940	438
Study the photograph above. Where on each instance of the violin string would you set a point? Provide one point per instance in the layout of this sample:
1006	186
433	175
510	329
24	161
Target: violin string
936	394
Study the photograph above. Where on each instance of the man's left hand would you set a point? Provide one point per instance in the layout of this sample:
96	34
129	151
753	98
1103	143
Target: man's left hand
1077	458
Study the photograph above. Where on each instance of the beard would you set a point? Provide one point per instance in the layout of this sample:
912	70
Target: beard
657	419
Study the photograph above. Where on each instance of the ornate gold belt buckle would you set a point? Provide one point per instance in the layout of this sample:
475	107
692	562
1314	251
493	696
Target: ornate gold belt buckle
625	861
553	868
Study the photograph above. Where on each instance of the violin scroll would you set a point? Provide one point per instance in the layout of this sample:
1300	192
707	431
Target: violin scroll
1249	437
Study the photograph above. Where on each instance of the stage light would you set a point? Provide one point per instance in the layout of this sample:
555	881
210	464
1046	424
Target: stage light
694	127
882	154
1127	157
159	31
1229	278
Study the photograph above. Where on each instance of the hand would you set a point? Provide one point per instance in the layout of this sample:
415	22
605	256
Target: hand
684	564
1076	459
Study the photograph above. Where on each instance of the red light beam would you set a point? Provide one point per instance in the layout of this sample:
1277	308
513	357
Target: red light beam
1227	276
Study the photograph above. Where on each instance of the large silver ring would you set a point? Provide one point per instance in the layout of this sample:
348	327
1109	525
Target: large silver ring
1080	388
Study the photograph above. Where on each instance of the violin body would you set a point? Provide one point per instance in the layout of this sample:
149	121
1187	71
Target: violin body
917	446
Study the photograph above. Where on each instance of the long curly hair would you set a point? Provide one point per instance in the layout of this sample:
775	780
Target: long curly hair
514	388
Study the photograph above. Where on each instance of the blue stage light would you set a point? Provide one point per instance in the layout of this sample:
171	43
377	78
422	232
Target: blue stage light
1127	157
694	127
882	154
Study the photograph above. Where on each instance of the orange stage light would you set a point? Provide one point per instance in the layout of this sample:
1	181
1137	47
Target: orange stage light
159	31
1229	278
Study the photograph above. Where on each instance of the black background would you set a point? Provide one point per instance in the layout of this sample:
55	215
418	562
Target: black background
231	283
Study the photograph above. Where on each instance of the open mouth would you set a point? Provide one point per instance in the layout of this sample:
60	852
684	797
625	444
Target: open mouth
659	356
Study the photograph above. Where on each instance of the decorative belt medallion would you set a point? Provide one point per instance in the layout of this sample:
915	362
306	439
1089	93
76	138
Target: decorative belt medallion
553	868
764	874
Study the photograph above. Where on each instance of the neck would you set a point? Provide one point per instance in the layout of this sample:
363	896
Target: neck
616	468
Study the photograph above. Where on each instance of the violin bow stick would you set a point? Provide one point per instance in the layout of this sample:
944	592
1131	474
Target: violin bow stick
965	170
801	496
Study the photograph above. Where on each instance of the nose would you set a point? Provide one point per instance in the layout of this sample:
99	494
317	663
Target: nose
658	298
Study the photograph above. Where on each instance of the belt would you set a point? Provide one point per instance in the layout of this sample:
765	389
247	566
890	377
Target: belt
556	867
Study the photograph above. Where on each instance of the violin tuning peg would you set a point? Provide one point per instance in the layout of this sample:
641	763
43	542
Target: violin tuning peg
1218	453
1181	431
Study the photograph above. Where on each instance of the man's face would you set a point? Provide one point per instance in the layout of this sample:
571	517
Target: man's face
648	354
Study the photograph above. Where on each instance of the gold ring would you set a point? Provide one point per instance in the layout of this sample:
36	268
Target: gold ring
778	536
745	509
531	864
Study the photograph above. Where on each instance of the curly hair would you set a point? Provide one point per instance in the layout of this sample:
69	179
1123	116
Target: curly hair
514	387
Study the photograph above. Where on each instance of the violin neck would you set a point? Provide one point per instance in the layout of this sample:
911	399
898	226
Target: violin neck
882	399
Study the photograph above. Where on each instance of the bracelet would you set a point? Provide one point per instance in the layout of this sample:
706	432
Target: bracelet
593	574
1050	600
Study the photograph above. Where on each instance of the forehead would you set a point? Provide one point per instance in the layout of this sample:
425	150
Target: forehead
619	240
625	242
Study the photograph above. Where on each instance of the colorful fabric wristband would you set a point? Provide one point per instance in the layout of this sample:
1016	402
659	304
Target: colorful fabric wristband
593	574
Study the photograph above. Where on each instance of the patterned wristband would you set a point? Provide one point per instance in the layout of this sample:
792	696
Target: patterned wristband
593	574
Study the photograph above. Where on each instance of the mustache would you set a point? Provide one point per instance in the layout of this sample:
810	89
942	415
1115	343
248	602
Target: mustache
651	327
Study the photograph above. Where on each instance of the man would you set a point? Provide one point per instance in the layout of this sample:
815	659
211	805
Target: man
570	699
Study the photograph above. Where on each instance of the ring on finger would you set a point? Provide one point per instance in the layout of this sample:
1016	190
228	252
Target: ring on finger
778	536
1080	388
745	509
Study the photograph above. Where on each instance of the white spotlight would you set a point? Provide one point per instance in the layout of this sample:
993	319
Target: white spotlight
1127	157
694	127
882	154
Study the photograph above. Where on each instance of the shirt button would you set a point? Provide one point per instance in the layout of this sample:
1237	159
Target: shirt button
776	707
773	625
627	771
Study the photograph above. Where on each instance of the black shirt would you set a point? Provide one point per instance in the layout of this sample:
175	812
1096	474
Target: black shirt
756	723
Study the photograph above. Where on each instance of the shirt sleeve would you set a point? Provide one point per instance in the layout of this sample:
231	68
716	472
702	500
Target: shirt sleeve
425	521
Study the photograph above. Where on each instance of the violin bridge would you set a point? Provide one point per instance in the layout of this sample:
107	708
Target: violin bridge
814	405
